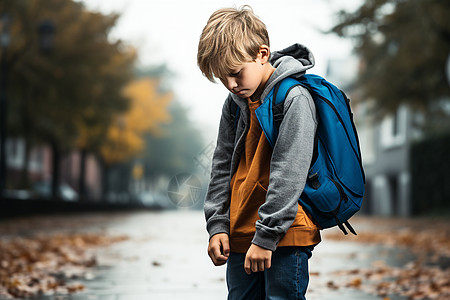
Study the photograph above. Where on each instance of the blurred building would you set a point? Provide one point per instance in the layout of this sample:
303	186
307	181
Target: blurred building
385	146
39	165
40	170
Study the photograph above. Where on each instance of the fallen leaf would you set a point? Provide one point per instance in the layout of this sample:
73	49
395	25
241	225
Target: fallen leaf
332	285
41	264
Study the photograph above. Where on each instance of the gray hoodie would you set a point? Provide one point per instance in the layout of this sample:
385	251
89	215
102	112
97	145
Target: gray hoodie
290	161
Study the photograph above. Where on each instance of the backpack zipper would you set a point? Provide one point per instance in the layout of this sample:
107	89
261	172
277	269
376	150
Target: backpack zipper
328	102
358	157
342	195
335	173
340	189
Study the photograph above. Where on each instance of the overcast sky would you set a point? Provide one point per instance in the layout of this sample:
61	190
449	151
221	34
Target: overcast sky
167	31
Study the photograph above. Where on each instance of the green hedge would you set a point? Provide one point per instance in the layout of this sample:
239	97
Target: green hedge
430	175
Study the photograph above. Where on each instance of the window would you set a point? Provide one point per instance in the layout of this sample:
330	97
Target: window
393	129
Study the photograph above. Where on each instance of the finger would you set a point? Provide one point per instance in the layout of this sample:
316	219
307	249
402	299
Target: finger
220	263
212	252
211	255
216	262
217	253
247	266
267	263
261	265
255	266
226	247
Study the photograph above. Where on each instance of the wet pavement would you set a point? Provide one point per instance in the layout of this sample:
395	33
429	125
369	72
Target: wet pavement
165	258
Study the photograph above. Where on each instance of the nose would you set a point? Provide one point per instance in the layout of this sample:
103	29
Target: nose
230	83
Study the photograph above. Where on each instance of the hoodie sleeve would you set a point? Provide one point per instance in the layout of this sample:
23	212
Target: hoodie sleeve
217	202
291	158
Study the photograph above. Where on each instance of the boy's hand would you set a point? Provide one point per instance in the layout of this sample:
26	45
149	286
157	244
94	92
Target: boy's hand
257	259
219	248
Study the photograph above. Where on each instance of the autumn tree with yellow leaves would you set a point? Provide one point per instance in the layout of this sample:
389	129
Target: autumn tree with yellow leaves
148	110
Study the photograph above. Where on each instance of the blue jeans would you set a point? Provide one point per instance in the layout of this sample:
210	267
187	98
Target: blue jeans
287	278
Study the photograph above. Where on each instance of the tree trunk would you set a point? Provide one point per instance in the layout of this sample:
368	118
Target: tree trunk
105	182
82	176
55	171
24	178
3	106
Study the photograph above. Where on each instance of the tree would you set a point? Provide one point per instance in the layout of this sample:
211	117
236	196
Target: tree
125	137
171	144
147	111
404	46
73	88
177	148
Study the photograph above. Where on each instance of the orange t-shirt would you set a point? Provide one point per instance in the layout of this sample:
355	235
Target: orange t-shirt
248	192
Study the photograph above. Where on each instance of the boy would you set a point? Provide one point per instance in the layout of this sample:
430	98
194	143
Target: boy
253	217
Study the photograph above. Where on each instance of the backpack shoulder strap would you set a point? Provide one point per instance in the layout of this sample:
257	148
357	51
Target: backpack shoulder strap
234	112
281	90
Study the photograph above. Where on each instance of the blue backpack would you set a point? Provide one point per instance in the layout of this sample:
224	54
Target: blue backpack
334	188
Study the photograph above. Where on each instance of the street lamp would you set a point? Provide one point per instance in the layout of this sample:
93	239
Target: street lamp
4	43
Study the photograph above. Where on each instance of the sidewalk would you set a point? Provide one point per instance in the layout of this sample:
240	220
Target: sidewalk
165	258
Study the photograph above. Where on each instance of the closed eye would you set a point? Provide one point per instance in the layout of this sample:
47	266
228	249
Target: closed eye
236	73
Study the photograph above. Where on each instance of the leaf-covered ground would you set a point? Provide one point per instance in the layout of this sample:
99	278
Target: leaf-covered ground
48	264
426	277
63	254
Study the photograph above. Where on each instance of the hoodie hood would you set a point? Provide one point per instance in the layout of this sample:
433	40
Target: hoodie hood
290	62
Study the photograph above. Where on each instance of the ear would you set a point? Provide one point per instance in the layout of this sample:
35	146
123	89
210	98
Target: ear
264	54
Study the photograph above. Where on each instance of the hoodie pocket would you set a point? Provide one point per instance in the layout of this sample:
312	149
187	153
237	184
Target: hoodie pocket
251	195
244	209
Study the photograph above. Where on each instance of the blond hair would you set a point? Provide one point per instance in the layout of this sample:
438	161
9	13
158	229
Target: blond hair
231	37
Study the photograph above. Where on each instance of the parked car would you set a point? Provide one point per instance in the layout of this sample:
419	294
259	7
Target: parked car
44	189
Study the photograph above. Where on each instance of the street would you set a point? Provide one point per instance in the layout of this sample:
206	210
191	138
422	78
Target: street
164	257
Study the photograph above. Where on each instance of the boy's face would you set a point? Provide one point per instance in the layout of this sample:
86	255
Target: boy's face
249	78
